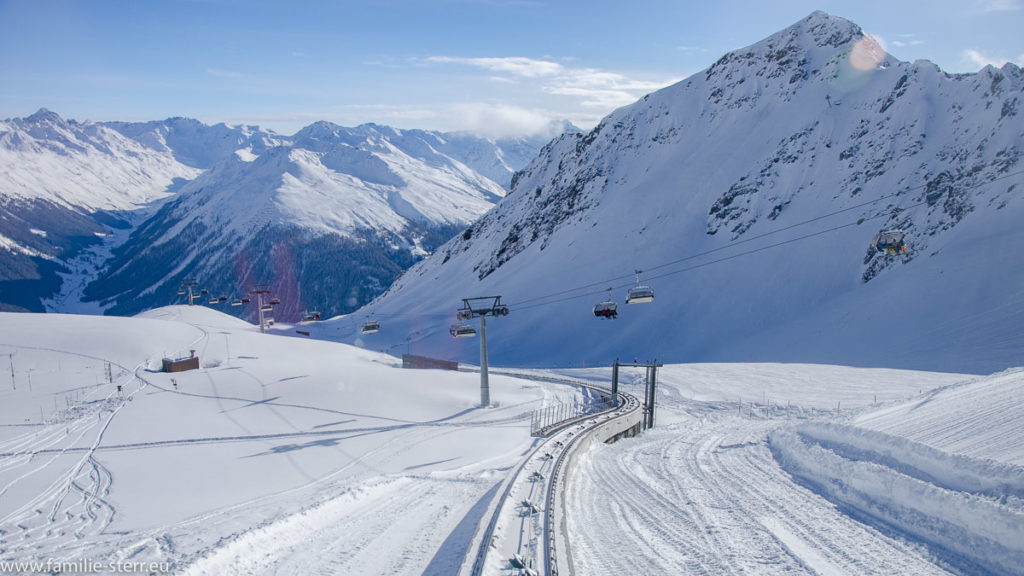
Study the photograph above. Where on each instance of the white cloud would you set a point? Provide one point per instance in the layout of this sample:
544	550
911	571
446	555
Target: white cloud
500	120
224	73
525	67
596	90
988	6
977	59
904	40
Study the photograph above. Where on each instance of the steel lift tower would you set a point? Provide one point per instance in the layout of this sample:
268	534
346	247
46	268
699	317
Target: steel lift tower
259	290
482	307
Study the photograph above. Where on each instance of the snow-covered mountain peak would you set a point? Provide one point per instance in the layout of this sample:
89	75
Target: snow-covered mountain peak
369	200
45	116
768	140
195	144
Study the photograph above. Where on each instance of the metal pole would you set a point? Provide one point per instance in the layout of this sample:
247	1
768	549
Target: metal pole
654	380
485	391
259	304
615	379
647	400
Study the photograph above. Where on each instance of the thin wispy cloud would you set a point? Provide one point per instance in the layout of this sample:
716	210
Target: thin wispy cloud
904	40
224	73
519	66
989	6
978	59
599	90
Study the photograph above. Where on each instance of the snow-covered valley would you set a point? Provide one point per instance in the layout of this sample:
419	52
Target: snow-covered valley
825	406
293	456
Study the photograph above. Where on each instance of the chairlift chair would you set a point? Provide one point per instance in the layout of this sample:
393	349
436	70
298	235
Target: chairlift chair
462	331
607	309
275	301
639	294
214	300
236	302
890	241
181	292
370	327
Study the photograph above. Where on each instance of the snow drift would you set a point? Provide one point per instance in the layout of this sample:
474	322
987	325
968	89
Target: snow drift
969	509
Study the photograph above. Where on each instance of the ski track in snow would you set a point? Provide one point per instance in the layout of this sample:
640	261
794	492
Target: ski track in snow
707	497
705	492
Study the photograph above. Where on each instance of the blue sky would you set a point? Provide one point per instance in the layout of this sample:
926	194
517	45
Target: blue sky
497	67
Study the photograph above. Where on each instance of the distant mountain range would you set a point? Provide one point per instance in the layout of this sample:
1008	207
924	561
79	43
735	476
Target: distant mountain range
113	216
747	196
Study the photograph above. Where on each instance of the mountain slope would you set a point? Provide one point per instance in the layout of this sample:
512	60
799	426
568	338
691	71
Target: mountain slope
73	192
65	186
328	222
749	194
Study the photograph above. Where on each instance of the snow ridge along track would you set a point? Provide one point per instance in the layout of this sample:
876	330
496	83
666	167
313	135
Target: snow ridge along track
967	506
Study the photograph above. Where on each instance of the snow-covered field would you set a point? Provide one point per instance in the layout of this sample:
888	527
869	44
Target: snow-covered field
295	456
274	446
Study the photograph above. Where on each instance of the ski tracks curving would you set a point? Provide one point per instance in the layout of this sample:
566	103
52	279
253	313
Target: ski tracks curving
706	497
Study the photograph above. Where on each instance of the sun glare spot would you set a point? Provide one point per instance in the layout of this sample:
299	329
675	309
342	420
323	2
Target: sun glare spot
866	54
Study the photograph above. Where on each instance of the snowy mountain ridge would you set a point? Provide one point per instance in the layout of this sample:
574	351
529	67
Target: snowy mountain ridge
82	165
749	194
76	190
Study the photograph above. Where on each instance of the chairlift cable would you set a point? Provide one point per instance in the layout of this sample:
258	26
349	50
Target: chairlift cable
526	303
717	261
753	238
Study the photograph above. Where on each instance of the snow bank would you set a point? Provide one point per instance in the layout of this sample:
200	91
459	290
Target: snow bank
969	507
980	418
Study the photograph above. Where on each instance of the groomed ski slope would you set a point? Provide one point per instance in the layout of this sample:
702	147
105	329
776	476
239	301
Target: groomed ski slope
927	485
291	456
